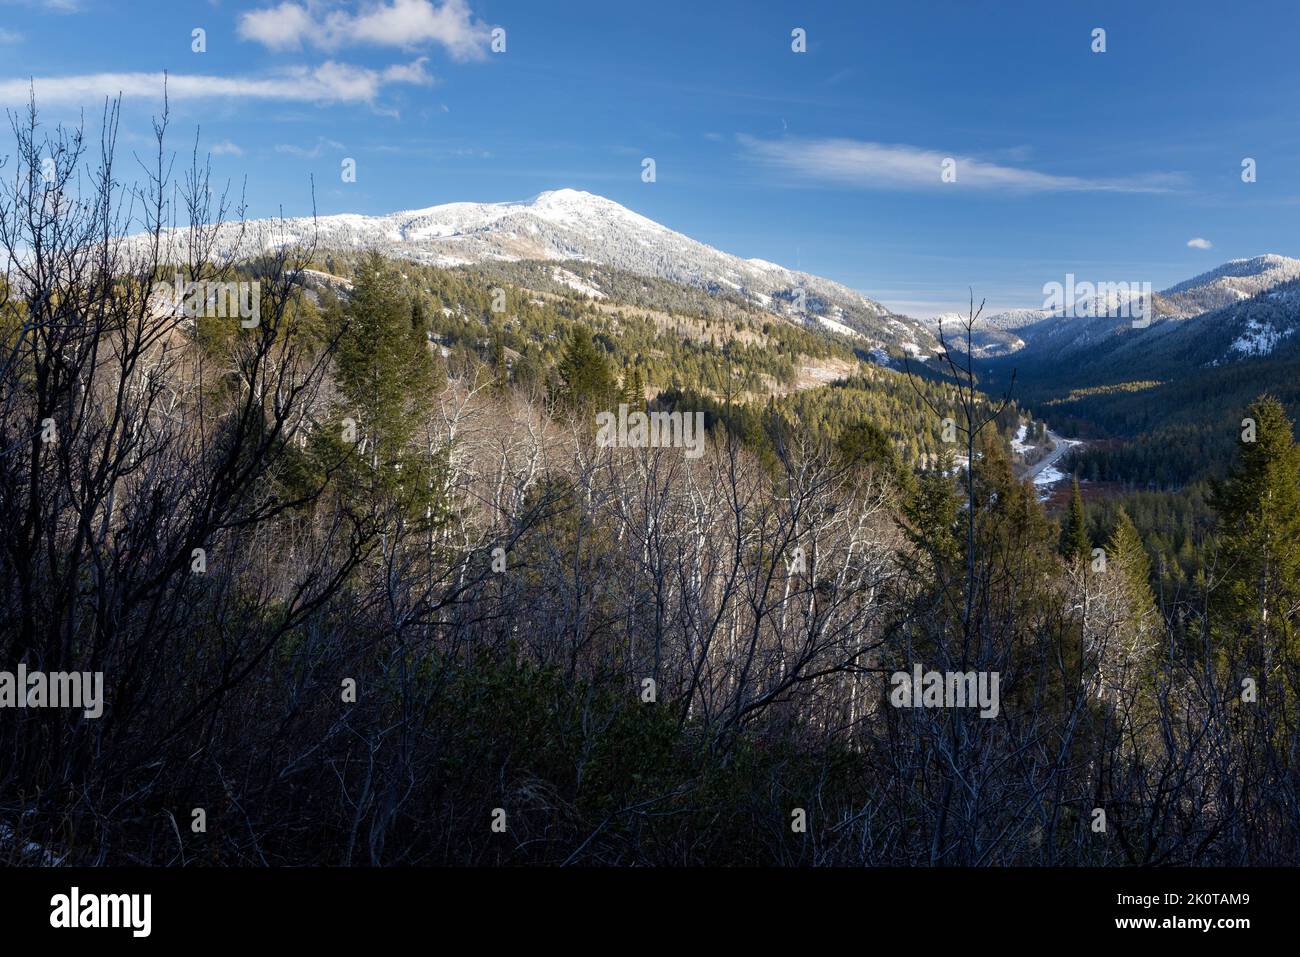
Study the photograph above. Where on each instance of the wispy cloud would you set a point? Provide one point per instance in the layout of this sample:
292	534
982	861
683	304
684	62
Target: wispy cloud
865	165
225	148
53	6
9	36
1199	243
328	83
405	24
322	144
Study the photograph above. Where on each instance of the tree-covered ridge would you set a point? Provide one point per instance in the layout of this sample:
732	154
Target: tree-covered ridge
684	340
738	370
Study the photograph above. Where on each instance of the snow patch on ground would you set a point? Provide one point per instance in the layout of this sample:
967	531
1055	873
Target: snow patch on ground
1018	443
839	327
1259	340
576	283
1049	476
433	231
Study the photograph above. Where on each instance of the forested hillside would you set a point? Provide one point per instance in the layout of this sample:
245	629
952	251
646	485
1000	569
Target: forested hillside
372	578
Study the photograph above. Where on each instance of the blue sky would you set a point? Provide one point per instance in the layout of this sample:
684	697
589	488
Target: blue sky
1106	165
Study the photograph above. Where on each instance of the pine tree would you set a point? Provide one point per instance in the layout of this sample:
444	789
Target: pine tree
500	365
1134	629
633	389
865	445
1255	604
931	511
1127	555
584	373
387	376
1075	545
384	366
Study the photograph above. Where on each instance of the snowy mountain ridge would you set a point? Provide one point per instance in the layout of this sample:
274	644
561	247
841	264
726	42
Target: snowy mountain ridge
1101	324
1229	283
569	224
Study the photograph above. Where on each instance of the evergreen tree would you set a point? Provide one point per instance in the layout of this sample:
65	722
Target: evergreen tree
529	371
1126	554
865	445
1135	632
1256	602
384	367
633	389
1075	545
500	365
931	513
584	373
386	374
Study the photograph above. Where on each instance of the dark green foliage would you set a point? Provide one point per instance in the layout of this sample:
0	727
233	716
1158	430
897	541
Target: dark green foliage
865	445
1075	545
585	378
1257	597
384	367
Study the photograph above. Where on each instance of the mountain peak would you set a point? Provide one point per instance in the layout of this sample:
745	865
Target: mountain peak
1271	266
568	224
566	194
572	207
1266	260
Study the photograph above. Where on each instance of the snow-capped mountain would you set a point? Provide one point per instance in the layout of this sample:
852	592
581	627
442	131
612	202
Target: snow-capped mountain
1261	325
1186	319
1232	282
569	224
1013	319
987	340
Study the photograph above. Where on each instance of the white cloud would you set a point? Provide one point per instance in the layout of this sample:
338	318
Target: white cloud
406	24
867	165
280	28
9	36
328	83
1199	243
226	148
413	73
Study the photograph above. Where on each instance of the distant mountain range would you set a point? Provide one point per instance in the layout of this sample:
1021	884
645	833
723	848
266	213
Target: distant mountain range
1244	308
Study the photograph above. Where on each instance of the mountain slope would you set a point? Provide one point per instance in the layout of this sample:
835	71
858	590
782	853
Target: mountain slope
569	224
1232	282
1176	331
